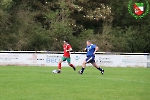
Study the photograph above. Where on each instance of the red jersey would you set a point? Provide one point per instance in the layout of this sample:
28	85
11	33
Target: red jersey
66	47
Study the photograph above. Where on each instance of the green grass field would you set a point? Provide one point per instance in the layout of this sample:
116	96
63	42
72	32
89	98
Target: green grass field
38	83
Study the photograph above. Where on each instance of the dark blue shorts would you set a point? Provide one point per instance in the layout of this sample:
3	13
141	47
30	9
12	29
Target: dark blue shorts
90	59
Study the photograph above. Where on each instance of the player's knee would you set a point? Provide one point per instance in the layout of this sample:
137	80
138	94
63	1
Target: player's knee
69	64
60	61
84	62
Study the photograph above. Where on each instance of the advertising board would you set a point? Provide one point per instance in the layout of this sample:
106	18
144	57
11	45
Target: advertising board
35	59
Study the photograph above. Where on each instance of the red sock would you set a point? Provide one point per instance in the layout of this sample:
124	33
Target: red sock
59	65
71	65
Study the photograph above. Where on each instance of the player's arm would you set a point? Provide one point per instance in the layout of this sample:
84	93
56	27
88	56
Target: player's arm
69	48
96	49
85	49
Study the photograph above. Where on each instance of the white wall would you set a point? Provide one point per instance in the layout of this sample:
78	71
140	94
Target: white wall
33	59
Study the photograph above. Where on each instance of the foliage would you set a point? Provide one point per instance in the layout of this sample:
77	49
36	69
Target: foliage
44	24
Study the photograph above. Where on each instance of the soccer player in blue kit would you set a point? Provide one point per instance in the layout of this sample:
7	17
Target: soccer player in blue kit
91	50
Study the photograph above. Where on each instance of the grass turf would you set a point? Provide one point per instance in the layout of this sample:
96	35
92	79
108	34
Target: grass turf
38	83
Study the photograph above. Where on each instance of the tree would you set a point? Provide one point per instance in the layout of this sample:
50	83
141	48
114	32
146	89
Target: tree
44	24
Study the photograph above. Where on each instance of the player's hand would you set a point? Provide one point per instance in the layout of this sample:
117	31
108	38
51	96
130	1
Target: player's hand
85	49
67	50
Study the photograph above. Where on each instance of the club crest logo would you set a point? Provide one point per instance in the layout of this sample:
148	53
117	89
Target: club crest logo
138	9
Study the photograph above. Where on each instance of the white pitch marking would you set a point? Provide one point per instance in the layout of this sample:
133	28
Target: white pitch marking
126	80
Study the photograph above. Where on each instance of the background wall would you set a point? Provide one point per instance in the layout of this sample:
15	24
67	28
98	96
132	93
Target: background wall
38	59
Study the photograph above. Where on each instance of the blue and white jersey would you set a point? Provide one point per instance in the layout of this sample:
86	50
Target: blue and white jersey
90	50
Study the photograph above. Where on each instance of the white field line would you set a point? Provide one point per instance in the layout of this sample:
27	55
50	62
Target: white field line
117	79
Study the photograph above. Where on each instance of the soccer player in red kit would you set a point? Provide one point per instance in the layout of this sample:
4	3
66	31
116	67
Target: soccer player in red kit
67	48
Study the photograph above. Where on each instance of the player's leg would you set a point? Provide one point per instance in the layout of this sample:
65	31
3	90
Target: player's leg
83	67
96	66
71	65
88	59
59	64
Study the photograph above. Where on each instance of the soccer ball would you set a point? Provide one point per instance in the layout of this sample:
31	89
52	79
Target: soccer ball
54	71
